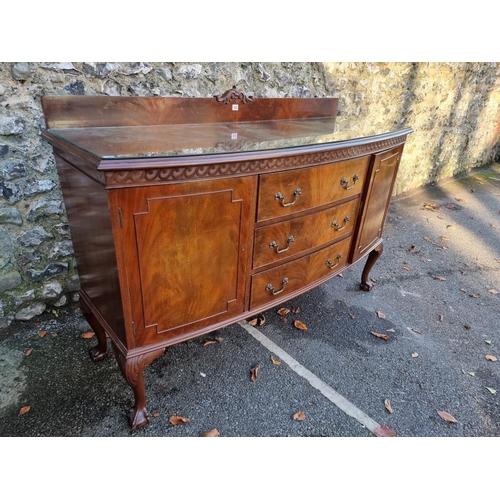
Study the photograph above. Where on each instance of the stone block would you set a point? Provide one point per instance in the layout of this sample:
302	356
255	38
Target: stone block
9	281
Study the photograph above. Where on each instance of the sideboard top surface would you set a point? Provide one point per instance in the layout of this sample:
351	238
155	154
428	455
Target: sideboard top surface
135	128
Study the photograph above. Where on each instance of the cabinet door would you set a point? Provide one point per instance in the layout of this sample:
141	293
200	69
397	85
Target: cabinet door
383	174
184	249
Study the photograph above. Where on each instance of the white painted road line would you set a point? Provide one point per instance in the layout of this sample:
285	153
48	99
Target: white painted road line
336	398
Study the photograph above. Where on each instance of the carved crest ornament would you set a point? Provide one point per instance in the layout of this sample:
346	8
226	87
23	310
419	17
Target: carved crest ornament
233	95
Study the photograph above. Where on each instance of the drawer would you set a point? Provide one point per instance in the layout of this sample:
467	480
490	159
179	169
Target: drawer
279	241
281	281
292	191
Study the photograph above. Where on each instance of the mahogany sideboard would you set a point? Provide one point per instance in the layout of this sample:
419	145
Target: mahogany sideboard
189	214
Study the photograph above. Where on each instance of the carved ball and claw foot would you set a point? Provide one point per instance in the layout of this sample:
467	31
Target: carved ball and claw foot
97	353
100	351
366	283
132	370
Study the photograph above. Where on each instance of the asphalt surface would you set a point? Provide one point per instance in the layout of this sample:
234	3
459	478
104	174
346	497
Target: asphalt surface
435	298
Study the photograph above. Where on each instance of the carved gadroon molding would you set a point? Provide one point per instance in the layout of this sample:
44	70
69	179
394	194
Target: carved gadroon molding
233	95
174	174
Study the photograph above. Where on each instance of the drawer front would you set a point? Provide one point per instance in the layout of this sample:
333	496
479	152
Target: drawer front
292	191
279	241
288	278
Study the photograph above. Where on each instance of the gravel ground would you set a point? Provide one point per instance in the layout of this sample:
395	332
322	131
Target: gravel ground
436	298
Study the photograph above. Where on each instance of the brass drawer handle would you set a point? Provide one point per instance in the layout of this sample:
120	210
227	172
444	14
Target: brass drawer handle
331	265
270	288
335	224
345	183
281	197
275	245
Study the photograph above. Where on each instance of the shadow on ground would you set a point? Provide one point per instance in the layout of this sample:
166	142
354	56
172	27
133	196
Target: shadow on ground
435	298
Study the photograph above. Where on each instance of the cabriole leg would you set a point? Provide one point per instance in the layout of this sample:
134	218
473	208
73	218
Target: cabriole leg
133	371
366	283
100	351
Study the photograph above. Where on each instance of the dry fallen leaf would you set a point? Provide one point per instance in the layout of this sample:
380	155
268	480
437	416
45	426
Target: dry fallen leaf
413	249
298	324
416	331
446	416
391	330
42	333
426	238
463	290
299	416
444	238
87	335
414	355
490	357
429	206
283	311
254	371
28	351
381	335
23	410
493	291
156	414
439	278
384	431
176	420
219	339
406	268
441	317
380	314
493	391
258	321
388	406
210	433
474	295
209	342
296	310
275	361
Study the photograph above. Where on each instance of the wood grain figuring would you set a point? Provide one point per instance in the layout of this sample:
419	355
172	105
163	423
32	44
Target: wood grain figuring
308	232
299	273
188	257
385	166
318	186
179	265
110	111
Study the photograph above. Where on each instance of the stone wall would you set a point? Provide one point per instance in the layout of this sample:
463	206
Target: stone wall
454	109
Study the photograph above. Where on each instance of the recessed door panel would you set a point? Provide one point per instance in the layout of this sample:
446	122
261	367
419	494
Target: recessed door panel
383	175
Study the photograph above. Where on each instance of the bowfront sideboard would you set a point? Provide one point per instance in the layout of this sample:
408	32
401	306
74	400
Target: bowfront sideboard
189	214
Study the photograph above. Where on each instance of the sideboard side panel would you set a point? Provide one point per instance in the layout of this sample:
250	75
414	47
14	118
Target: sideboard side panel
87	210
